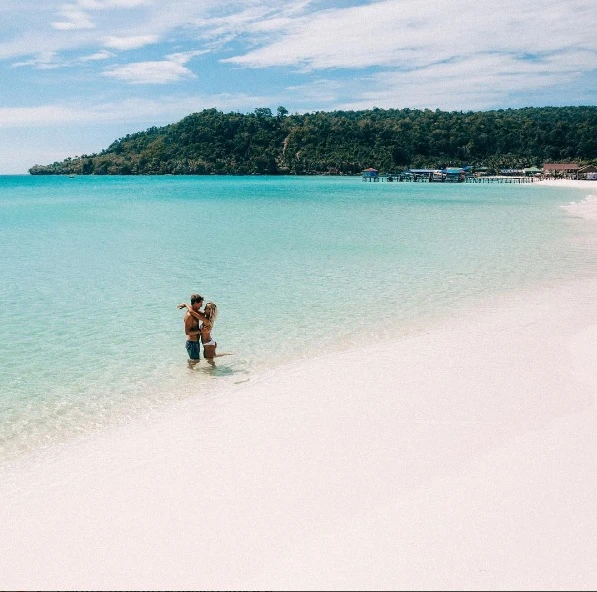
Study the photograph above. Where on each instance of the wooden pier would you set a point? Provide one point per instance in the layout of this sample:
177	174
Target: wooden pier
397	178
501	179
426	179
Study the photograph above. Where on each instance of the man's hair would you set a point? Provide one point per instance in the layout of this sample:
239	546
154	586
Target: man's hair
196	298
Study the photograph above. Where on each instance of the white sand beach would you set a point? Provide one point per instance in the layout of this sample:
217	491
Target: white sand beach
580	184
461	457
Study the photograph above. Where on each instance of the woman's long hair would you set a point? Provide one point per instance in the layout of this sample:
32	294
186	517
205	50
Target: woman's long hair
211	312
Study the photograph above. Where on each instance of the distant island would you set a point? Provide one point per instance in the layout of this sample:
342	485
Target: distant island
344	142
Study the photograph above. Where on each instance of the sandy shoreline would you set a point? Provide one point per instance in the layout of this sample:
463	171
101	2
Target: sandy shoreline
591	186
459	458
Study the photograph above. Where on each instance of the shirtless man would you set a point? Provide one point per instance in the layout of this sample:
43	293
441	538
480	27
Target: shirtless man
192	329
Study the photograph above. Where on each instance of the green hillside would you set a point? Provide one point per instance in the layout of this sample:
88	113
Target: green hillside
344	142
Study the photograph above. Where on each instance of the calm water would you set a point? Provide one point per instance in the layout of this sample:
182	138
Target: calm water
92	269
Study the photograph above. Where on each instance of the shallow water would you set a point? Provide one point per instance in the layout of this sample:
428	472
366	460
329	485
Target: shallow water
93	267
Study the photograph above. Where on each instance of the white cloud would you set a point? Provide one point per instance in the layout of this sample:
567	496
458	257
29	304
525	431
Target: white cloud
134	42
172	69
447	94
43	61
51	60
132	24
184	56
75	19
470	83
320	92
105	4
76	15
11	117
386	33
423	54
256	22
409	33
94	57
152	72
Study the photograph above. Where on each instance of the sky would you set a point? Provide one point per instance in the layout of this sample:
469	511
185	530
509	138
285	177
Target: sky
76	75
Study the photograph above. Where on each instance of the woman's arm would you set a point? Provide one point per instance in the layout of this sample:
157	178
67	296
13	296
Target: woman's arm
198	315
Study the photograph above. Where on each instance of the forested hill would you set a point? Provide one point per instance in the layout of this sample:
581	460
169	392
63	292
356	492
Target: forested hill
345	142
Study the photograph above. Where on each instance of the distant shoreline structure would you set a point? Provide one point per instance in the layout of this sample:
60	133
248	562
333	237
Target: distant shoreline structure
470	174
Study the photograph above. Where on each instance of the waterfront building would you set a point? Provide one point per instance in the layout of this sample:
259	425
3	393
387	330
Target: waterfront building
531	171
370	174
568	170
588	171
454	175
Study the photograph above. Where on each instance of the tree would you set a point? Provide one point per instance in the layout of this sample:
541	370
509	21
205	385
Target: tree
263	112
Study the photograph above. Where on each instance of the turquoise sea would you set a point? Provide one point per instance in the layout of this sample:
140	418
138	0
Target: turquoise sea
92	269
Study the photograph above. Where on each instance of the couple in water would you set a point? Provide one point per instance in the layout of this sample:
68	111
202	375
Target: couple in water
197	327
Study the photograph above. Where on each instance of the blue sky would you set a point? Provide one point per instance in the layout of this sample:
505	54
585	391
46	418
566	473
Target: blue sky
77	74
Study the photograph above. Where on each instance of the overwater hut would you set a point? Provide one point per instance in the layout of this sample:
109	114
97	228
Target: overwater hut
568	170
454	175
421	174
405	176
370	175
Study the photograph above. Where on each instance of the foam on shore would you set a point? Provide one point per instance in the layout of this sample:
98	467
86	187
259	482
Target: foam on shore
458	458
586	208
